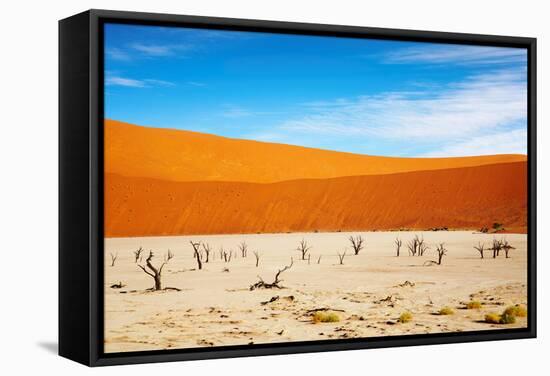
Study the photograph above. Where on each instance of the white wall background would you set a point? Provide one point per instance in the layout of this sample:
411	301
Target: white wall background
28	184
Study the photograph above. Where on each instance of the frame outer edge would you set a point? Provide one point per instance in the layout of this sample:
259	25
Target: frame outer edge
95	166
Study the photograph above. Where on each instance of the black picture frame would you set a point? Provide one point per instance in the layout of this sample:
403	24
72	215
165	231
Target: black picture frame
81	187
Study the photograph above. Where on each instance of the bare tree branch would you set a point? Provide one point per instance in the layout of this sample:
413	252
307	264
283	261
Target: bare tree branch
137	254
507	247
207	250
356	243
303	248
341	257
275	284
398	243
243	247
441	251
155	273
496	248
196	247
113	258
480	248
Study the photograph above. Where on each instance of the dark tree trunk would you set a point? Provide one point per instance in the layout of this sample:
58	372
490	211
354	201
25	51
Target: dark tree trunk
158	283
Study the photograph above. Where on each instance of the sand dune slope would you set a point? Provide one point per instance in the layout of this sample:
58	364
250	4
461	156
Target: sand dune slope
468	197
190	156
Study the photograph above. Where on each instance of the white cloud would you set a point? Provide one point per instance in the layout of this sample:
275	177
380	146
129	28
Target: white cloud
506	142
154	82
458	54
460	115
112	80
121	81
156	50
117	54
481	102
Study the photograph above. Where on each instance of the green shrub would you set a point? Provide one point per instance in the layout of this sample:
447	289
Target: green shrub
446	311
325	317
405	317
516	310
507	318
492	318
474	304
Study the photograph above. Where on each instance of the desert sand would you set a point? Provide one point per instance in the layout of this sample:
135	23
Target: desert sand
463	198
369	292
174	182
177	155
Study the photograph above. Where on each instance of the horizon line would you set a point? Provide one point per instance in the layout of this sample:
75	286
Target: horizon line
105	120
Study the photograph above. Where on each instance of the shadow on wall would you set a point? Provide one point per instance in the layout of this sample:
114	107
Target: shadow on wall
51	347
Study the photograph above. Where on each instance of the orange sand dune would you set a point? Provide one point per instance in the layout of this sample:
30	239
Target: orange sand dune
190	156
469	197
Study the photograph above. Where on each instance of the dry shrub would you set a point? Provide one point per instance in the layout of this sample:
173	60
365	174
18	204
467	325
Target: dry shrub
517	310
474	304
446	311
507	318
405	317
325	317
492	318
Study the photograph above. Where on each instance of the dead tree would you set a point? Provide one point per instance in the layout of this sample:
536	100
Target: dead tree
441	251
153	271
319	259
113	258
303	248
398	243
227	255
198	256
417	246
257	256
411	247
243	247
341	257
356	243
221	253
206	248
497	246
275	284
480	248
421	246
507	247
137	254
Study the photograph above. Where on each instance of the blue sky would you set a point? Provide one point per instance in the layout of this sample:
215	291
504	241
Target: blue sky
355	95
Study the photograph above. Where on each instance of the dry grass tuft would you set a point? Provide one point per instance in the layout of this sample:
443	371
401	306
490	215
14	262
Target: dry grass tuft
517	310
405	317
324	317
492	318
446	311
507	318
474	304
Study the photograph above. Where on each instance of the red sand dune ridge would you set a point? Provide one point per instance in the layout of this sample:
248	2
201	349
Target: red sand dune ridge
466	197
177	155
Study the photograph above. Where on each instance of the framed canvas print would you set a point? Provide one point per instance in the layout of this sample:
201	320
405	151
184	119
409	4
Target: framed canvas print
236	187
